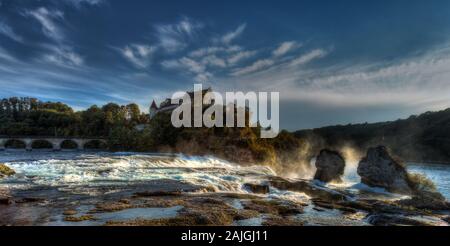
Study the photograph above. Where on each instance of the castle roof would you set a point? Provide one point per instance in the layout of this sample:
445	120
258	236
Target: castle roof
154	105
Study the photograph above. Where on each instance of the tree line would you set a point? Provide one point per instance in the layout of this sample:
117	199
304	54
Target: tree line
26	116
421	138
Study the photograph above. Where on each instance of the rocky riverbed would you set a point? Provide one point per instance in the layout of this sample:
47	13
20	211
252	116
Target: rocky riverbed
150	190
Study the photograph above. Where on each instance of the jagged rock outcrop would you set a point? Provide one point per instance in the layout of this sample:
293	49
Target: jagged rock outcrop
378	168
330	166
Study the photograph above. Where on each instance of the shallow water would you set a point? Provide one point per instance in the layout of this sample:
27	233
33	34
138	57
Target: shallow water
119	216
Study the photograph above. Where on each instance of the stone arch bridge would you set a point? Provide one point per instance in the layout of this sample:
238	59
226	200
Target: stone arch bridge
56	142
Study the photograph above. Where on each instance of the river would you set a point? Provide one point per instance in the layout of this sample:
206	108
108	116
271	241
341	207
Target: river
94	173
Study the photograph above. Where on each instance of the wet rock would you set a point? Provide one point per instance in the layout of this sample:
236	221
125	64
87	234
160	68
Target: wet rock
379	169
395	220
30	200
279	221
158	193
70	212
111	207
5	198
79	219
237	195
196	211
6	171
167	187
446	219
427	200
308	188
256	188
126	201
330	166
328	205
273	207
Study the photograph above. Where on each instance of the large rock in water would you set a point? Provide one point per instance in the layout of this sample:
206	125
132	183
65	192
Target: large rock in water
380	169
330	166
5	171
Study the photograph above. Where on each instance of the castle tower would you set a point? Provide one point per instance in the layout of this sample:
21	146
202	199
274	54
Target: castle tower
153	110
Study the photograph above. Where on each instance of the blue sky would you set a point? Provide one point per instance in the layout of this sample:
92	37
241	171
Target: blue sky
333	62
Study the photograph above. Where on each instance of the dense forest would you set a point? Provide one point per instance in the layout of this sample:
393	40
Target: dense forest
424	138
30	117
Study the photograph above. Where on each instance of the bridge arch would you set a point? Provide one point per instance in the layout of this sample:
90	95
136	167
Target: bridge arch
70	144
15	144
42	144
55	143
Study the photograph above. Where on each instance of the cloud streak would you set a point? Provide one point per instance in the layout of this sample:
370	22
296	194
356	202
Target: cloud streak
285	48
9	32
229	37
175	37
138	54
47	18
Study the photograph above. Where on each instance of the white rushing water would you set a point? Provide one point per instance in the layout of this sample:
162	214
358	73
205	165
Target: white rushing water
78	169
40	168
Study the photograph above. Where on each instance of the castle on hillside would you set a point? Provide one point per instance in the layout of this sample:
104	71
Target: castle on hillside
167	106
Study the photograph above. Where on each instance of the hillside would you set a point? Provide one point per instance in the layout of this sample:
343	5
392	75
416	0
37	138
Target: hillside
424	138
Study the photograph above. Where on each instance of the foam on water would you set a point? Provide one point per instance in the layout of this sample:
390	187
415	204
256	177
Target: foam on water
76	169
100	169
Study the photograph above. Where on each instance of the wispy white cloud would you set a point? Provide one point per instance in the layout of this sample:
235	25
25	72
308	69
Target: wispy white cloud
308	57
47	18
175	37
138	54
229	37
242	55
256	66
4	55
186	64
64	57
420	81
285	48
9	32
214	61
214	50
79	3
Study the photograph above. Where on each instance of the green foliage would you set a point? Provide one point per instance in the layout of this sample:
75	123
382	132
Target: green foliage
162	131
29	116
